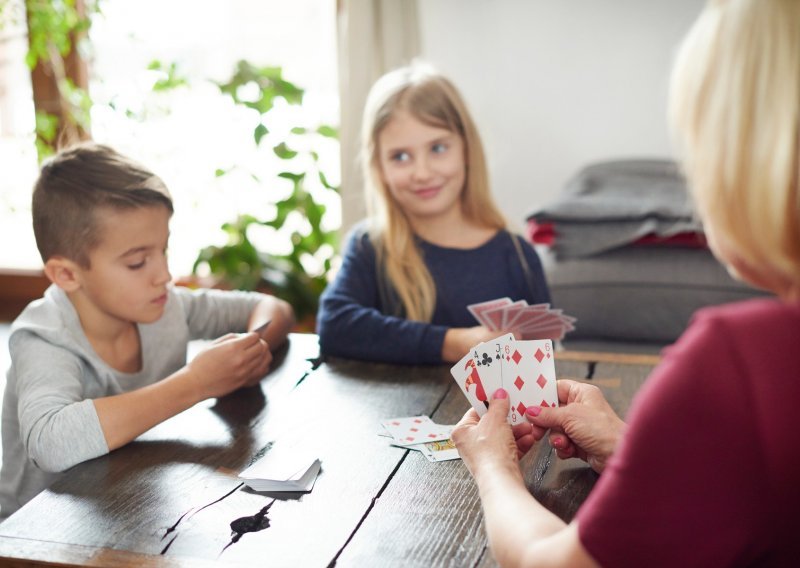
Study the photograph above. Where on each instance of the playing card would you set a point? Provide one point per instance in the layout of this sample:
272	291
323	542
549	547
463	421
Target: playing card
487	357
440	451
529	314
511	311
529	375
465	373
494	317
260	329
415	430
477	310
555	331
282	471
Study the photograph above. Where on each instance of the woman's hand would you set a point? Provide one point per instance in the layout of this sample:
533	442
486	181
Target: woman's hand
583	426
488	442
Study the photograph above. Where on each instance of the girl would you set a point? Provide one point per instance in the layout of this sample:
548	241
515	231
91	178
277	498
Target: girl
434	241
706	471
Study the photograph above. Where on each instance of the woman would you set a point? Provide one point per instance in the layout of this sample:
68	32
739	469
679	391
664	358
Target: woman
706	471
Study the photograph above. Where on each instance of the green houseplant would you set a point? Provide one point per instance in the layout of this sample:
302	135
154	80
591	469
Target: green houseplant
300	275
59	80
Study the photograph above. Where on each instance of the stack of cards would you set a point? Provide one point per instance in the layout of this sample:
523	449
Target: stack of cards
422	434
525	369
285	472
527	322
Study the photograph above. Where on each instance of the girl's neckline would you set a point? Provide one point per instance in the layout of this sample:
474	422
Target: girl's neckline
486	242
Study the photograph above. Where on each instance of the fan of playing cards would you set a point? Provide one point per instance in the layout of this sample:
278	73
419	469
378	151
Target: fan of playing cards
527	322
525	369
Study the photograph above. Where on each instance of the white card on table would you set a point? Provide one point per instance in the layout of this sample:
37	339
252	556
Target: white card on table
440	451
411	430
284	472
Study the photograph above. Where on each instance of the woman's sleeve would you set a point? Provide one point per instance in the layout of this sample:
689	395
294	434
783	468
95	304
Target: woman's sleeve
684	487
350	322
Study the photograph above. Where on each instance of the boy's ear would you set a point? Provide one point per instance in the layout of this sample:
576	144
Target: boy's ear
63	273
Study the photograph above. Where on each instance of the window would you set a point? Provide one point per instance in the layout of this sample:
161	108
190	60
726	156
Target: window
188	133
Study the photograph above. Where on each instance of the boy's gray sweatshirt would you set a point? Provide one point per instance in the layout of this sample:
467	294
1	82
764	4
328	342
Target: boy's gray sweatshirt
49	422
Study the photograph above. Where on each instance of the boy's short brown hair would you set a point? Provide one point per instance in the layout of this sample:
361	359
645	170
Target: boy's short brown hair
74	185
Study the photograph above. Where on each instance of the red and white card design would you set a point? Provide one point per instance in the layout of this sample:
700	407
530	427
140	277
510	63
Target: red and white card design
478	310
538	321
411	430
468	379
525	369
529	376
479	373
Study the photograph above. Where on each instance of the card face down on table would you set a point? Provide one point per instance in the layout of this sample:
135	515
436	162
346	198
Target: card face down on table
282	471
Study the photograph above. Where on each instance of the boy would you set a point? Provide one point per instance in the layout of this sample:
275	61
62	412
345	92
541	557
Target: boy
102	357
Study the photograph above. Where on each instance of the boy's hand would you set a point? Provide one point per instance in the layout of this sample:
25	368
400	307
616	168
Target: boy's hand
230	362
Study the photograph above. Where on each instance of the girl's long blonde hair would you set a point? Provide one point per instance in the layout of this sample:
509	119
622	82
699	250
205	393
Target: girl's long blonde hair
433	100
735	110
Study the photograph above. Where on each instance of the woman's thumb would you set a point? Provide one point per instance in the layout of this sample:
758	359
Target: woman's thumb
543	416
499	403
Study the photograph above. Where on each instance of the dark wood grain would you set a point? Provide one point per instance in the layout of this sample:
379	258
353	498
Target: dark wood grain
599	357
337	410
620	382
170	497
172	491
429	514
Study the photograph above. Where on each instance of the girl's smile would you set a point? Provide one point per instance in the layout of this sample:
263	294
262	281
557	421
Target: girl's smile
423	167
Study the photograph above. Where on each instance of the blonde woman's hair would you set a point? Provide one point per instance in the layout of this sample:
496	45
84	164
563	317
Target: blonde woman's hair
432	99
735	110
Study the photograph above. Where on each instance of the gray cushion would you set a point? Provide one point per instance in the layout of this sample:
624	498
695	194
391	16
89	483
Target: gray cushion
639	293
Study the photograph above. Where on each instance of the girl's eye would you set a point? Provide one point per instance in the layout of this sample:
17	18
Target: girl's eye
400	157
438	148
137	265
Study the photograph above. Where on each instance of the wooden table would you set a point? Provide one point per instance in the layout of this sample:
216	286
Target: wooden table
171	498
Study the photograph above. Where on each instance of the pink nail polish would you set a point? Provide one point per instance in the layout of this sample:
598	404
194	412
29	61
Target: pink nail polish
534	410
500	393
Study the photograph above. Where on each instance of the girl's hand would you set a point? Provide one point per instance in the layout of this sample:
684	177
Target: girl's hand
488	442
459	340
584	426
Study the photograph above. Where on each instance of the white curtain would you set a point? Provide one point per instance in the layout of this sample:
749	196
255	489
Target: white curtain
374	36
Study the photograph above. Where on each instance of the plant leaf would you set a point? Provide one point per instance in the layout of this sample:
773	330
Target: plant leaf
283	151
260	132
328	131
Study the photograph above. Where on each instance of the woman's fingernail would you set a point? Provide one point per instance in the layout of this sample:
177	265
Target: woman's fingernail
558	443
534	410
500	393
